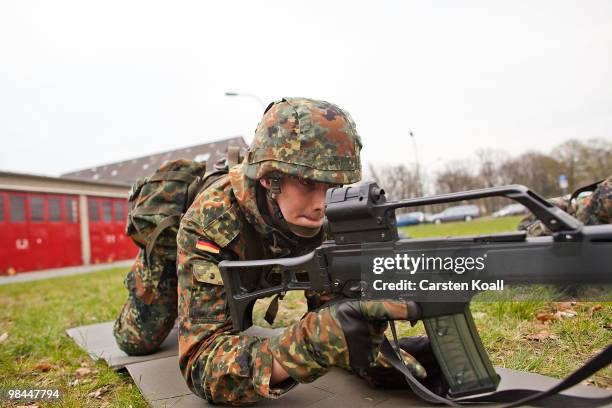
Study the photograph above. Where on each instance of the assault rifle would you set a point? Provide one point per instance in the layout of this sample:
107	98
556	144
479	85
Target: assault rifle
362	227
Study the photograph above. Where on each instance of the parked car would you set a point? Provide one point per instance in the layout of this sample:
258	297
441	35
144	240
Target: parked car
457	213
412	218
511	209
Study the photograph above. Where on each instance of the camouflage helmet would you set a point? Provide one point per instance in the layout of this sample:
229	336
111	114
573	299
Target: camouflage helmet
306	138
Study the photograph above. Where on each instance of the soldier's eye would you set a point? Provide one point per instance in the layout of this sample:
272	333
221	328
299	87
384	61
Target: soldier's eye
305	182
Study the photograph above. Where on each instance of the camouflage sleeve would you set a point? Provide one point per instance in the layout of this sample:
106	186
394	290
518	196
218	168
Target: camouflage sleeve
217	365
597	208
314	300
536	228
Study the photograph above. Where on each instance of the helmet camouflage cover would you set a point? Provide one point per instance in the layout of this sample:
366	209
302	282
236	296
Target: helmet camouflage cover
306	138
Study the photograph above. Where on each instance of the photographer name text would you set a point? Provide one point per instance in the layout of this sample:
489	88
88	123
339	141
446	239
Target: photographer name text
426	285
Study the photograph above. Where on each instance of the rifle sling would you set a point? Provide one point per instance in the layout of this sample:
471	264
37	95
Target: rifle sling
392	355
272	310
524	396
167	222
589	187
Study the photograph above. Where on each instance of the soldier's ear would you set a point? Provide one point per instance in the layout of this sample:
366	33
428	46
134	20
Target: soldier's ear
266	183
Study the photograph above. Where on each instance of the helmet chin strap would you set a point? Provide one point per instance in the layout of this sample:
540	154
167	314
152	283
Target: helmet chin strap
298	230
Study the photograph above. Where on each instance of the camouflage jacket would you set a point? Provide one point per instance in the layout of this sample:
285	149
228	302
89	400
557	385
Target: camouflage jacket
225	222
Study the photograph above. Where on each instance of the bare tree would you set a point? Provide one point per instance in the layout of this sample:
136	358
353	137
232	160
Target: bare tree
584	163
597	163
374	173
398	181
581	162
456	176
490	175
535	170
489	166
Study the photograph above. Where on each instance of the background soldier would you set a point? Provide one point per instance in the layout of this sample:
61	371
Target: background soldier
593	209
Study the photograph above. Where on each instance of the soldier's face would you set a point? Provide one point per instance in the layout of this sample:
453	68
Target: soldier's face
302	202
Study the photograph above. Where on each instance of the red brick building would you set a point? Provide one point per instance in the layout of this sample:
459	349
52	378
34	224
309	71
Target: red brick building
78	218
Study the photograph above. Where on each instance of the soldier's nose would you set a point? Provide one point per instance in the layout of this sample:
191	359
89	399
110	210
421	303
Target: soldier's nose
318	204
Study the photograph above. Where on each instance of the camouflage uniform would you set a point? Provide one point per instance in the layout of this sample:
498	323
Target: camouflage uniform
213	361
597	208
302	138
593	209
219	364
150	311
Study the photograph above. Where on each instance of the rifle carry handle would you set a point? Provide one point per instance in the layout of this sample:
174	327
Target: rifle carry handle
554	218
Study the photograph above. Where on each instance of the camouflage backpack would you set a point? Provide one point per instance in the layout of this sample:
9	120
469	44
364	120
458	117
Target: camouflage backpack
157	202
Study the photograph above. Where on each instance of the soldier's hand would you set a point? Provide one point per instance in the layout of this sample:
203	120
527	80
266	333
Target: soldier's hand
346	335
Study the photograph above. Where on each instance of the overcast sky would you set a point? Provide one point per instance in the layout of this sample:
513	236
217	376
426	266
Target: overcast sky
88	83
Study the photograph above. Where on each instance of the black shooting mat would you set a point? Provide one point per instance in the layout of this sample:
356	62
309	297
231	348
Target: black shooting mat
98	341
161	383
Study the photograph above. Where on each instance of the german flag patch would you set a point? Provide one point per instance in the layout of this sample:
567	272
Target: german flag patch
207	246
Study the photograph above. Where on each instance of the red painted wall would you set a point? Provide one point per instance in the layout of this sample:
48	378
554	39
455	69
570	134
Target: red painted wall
42	231
107	238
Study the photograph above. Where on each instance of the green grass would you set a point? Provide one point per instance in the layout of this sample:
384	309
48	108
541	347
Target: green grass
36	314
474	227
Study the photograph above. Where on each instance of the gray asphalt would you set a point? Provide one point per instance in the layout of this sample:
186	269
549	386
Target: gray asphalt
55	273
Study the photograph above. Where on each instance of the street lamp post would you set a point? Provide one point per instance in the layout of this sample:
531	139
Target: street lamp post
261	102
417	165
